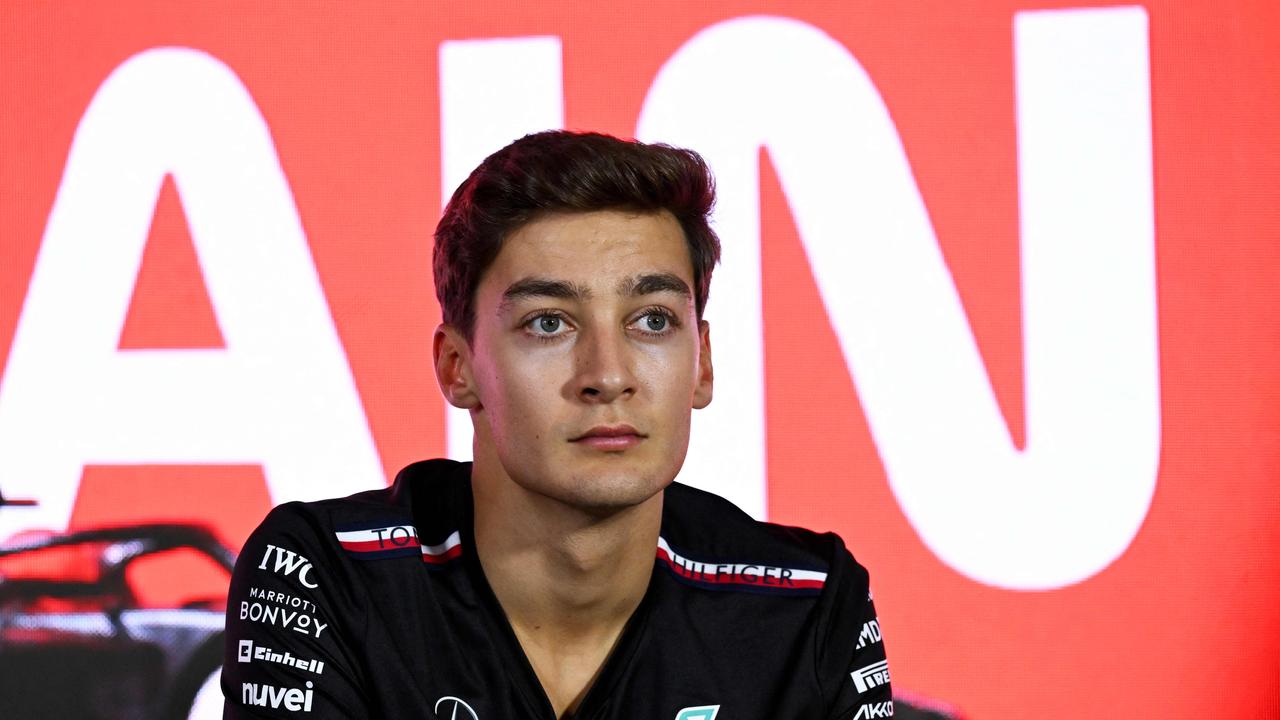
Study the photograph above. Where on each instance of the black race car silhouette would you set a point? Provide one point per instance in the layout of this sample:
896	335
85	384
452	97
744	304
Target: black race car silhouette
76	640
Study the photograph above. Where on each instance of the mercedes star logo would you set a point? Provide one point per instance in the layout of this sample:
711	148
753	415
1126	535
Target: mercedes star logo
449	700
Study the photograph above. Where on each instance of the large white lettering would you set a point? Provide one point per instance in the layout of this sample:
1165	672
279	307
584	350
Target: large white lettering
280	393
492	91
1068	504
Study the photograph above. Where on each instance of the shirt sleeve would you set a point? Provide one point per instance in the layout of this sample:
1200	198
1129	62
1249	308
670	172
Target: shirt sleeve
293	625
853	670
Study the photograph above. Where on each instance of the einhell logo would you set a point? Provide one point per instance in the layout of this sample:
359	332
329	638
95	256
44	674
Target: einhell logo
249	653
275	697
289	562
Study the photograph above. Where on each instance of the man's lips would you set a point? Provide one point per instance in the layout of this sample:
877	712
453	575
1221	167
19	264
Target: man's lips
610	437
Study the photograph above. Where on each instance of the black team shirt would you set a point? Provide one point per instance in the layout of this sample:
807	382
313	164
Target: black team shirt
375	606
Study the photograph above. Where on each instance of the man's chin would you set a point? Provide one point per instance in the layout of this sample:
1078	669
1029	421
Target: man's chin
606	495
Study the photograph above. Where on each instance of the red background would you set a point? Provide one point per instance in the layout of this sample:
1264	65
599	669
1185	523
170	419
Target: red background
1185	624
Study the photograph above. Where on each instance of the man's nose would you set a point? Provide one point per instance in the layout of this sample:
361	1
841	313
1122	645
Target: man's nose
604	367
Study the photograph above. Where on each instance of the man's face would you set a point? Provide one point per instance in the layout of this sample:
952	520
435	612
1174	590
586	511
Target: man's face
587	357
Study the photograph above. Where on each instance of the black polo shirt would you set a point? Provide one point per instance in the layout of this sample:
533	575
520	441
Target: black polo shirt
376	606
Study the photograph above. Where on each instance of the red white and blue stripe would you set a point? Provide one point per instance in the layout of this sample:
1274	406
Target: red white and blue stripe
751	577
397	540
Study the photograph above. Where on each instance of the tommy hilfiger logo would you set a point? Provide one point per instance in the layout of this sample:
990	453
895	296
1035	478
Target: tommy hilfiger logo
740	576
378	540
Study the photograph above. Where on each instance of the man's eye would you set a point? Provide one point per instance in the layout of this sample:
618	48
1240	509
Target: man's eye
655	322
546	325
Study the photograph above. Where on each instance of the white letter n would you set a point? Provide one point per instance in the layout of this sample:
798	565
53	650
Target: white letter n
1067	505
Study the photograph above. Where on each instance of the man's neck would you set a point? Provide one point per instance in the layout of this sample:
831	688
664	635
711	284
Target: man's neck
567	579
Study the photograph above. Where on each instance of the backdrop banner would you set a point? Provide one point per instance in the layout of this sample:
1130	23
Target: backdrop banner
997	304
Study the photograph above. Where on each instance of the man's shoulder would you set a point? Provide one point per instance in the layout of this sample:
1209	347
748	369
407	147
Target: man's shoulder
424	501
710	542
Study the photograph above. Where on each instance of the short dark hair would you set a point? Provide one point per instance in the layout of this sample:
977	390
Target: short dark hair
562	171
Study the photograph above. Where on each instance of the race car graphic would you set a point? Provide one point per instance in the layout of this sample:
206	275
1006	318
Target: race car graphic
78	639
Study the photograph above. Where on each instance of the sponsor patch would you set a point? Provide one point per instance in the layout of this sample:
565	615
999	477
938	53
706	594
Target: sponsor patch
294	699
453	705
283	618
870	634
288	564
397	540
702	712
741	576
875	710
248	653
281	598
871	676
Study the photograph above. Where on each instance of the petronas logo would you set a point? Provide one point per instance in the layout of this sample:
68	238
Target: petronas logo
702	712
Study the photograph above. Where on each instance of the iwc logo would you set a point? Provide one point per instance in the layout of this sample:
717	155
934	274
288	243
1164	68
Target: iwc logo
702	712
457	709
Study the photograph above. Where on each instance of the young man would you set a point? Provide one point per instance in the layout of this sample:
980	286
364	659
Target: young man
562	574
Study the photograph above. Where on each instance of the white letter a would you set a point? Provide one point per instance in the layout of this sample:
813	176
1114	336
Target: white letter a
280	393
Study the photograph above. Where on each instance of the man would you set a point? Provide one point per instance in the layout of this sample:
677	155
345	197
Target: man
563	574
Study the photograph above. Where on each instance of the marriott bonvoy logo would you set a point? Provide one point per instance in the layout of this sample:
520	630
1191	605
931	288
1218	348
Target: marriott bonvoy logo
249	653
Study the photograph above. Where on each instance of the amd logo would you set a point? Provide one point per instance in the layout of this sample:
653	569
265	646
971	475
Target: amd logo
290	562
870	634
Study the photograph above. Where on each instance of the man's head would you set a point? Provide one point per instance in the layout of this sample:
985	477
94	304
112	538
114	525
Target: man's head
567	172
573	270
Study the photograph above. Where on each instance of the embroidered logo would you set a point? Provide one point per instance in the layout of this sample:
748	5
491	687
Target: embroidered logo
457	709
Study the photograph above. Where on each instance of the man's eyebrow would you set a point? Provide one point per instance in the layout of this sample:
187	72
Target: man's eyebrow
535	287
654	283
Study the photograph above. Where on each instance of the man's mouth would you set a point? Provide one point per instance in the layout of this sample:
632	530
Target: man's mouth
610	438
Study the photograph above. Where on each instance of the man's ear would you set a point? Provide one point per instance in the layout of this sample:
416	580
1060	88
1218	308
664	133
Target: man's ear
706	376
452	355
